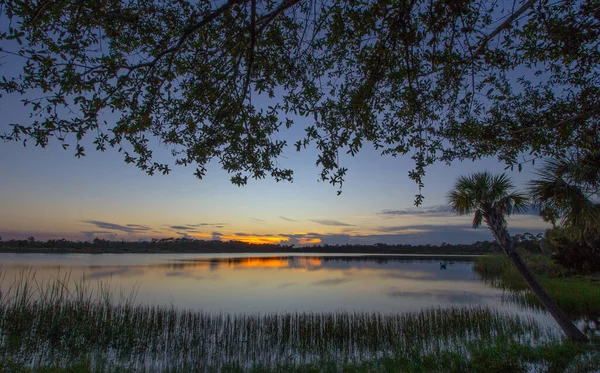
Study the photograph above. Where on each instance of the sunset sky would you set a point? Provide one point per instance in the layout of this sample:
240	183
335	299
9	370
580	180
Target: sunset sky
48	193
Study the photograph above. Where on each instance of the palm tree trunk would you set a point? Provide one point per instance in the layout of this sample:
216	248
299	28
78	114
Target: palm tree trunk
503	238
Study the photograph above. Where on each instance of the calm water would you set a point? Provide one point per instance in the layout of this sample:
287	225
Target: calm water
273	283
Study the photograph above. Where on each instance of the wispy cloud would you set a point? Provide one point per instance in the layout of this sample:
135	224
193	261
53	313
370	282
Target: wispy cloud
205	225
181	227
258	220
432	211
128	228
288	219
415	228
407	234
243	234
436	210
331	222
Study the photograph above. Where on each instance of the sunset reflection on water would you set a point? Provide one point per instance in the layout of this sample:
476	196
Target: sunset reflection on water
269	283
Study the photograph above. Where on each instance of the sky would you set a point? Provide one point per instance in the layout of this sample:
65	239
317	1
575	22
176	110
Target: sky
50	194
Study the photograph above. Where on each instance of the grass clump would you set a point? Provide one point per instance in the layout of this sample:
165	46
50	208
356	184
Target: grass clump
577	295
57	327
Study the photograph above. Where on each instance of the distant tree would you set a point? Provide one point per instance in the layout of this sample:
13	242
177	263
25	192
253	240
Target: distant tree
491	198
439	80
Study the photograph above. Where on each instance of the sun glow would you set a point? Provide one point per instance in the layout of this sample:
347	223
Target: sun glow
254	239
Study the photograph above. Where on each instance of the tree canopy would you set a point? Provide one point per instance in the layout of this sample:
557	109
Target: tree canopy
436	80
567	189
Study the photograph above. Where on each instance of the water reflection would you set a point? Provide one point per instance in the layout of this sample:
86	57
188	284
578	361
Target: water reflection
272	283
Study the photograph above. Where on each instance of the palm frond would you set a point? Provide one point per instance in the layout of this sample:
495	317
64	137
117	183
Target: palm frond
564	190
484	193
519	203
460	202
499	186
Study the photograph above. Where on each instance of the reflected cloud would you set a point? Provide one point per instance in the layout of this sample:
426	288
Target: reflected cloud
248	262
308	261
407	275
242	283
285	285
101	273
260	263
184	274
331	281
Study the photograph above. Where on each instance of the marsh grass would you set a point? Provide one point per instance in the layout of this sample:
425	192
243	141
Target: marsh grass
579	296
66	324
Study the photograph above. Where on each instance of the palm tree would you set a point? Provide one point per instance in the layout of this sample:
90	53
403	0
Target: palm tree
491	199
565	190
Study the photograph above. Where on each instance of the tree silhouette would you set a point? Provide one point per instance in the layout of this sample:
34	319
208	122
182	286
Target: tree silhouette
491	198
436	80
565	190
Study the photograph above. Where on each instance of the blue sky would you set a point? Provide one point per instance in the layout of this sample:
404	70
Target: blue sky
48	193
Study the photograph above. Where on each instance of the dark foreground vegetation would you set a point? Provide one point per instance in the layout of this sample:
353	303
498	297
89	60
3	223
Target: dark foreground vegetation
64	326
188	245
576	293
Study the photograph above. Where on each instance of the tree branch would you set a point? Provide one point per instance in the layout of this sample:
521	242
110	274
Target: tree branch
586	114
188	32
266	19
483	42
250	64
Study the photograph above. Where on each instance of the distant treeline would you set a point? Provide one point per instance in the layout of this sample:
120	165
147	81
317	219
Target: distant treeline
187	245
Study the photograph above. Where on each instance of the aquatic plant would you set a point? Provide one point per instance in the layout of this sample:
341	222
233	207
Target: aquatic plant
62	322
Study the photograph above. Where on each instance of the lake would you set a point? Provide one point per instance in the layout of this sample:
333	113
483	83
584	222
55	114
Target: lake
229	283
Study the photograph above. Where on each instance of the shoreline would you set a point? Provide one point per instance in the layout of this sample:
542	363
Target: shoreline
277	252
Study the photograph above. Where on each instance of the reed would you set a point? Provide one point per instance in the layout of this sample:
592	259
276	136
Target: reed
68	324
578	296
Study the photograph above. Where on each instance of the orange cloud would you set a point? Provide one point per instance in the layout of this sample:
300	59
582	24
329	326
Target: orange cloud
253	239
309	241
